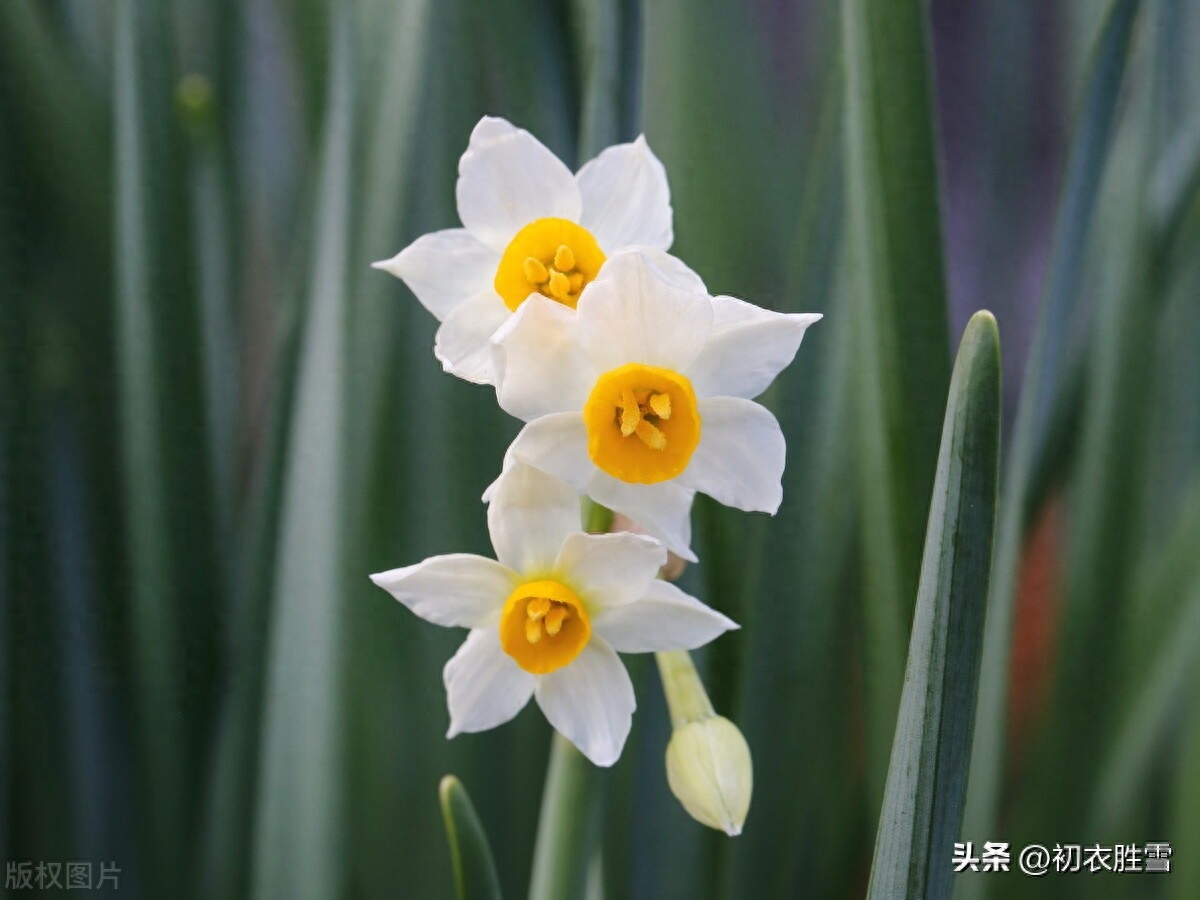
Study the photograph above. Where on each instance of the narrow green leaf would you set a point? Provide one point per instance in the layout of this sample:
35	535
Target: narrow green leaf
895	257
474	869
1185	882
1104	499
1161	671
927	779
1043	382
298	844
140	155
801	559
607	55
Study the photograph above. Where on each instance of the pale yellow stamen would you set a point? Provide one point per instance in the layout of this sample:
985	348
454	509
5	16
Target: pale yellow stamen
553	257
661	404
651	436
560	286
543	626
555	619
657	405
535	272
564	259
631	413
635	406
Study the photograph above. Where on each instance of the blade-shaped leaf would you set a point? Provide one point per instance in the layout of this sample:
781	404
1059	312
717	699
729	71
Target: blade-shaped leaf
298	846
474	869
927	779
1043	382
903	343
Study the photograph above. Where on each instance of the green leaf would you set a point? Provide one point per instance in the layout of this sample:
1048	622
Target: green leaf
298	846
142	159
1161	673
1044	382
474	870
899	309
1185	884
604	32
927	780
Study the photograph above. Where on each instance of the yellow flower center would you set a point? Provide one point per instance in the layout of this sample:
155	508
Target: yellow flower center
554	257
642	423
544	626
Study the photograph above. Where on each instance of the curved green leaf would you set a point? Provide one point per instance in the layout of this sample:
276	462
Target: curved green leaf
474	869
927	780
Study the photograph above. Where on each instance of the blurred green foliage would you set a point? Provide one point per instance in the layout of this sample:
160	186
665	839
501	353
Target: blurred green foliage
217	419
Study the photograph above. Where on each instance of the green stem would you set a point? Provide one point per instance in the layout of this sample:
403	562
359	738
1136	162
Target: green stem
562	851
560	859
597	519
686	697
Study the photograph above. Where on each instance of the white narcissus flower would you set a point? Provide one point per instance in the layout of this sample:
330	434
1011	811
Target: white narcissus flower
547	618
642	397
532	228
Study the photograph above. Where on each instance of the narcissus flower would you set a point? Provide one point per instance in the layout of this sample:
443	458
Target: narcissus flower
547	618
531	229
642	397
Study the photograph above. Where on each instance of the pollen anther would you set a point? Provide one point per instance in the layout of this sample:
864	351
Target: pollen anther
553	257
535	272
643	423
544	625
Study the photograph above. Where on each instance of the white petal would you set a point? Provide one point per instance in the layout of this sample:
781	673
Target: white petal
664	619
590	702
748	347
444	268
626	199
457	590
610	569
507	179
463	344
663	510
631	313
672	269
556	444
540	366
530	514
740	459
484	685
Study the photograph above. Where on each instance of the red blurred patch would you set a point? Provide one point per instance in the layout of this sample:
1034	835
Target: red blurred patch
1035	626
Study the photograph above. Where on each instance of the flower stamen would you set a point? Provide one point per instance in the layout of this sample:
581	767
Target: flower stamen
535	272
544	626
553	257
658	407
636	409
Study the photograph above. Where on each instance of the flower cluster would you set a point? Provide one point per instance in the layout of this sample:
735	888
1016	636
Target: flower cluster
636	387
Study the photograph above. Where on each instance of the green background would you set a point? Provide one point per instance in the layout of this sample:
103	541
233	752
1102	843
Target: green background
217	420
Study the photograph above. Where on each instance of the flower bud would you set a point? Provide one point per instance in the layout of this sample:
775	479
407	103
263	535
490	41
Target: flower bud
709	770
708	761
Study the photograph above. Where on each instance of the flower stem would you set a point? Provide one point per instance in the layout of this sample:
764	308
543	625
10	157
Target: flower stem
686	697
597	519
562	853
